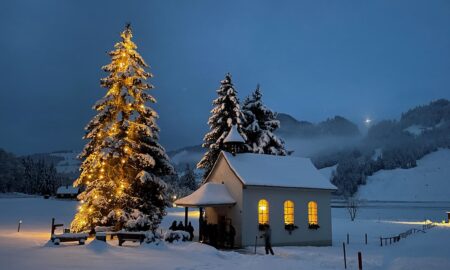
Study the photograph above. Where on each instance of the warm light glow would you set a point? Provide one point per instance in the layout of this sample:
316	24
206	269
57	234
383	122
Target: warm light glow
312	213
263	212
288	212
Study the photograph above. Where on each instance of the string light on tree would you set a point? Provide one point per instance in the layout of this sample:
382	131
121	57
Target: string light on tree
123	162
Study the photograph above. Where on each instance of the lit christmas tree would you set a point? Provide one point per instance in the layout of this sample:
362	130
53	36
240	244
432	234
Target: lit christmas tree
226	113
259	126
123	161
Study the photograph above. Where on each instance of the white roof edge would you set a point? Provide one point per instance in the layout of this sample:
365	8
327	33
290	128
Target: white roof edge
209	194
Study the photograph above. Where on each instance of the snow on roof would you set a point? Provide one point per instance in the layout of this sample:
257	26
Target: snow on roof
207	195
234	136
277	171
67	190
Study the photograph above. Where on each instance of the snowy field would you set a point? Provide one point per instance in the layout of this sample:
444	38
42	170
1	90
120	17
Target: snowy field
29	249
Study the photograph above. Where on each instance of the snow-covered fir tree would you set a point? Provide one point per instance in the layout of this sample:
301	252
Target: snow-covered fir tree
123	162
226	112
188	178
259	126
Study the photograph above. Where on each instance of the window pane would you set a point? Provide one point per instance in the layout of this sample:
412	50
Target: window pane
263	212
312	213
288	212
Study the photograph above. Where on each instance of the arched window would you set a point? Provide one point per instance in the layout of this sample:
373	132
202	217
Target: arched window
312	213
263	212
288	212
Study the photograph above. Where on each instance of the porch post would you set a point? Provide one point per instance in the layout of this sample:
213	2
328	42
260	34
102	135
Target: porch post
185	217
200	224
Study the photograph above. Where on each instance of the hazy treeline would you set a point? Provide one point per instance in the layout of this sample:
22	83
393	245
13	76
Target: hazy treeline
389	145
31	175
184	183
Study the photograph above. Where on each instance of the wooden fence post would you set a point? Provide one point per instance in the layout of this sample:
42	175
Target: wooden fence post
345	256
359	261
348	239
366	238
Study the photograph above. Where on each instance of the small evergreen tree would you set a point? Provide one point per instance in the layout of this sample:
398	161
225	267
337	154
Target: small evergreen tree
188	179
123	161
259	126
225	113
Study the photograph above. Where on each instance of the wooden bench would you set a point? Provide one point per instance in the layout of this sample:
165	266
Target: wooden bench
69	237
130	236
66	237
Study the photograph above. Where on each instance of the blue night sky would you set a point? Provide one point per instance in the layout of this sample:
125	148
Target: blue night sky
313	59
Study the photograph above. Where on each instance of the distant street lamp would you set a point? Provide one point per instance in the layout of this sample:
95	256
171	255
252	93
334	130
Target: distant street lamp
18	227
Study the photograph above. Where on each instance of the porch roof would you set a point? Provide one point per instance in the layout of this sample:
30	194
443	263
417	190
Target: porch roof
209	194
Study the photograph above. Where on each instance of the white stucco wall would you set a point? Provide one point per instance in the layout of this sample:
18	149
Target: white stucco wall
276	198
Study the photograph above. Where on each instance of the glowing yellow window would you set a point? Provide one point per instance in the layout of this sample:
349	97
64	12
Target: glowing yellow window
288	212
263	212
312	213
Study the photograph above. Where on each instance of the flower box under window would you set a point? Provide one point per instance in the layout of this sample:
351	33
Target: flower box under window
313	226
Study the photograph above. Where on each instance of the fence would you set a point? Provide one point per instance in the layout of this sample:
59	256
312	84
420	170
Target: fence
395	239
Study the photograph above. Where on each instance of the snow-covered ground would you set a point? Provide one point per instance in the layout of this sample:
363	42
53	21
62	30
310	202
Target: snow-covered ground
429	181
29	249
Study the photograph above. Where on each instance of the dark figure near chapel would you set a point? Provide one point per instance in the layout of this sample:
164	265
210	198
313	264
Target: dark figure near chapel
190	230
173	227
180	226
232	234
267	235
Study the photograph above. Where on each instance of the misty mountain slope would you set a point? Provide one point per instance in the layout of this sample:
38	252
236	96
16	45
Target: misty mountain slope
187	155
335	126
429	181
307	139
304	138
389	145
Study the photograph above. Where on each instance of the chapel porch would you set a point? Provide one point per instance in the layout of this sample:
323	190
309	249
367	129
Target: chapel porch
218	231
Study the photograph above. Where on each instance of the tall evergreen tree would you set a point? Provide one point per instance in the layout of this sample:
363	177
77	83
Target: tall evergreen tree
259	126
123	161
226	112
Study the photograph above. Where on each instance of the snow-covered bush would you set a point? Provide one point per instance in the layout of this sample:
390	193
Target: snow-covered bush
178	236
